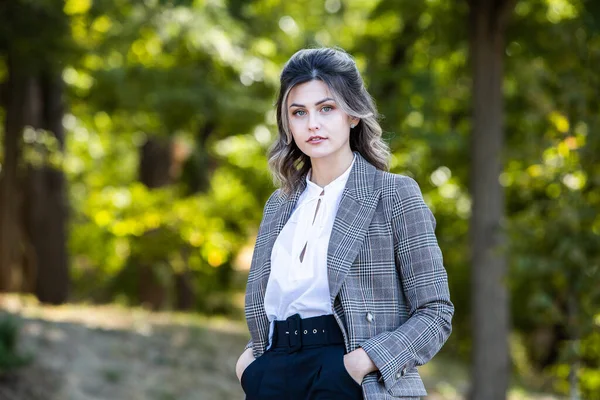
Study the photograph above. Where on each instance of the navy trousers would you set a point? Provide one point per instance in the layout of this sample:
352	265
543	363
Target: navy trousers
315	372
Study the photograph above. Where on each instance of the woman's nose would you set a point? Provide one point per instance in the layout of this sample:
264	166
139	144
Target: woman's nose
313	122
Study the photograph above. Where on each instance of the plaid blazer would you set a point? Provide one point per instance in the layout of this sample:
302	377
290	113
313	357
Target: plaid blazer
388	285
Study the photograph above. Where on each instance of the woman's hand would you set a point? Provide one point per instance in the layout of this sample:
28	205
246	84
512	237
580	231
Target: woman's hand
358	364
242	363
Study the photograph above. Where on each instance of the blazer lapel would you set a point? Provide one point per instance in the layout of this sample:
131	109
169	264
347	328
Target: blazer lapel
274	226
278	221
357	206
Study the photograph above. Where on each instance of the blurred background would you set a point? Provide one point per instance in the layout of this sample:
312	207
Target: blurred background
133	174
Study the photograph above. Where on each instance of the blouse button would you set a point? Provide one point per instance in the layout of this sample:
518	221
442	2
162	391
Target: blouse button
370	317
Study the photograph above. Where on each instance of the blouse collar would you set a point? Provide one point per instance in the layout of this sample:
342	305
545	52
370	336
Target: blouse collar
336	185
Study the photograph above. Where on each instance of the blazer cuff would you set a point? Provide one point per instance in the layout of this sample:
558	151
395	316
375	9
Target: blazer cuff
248	345
392	366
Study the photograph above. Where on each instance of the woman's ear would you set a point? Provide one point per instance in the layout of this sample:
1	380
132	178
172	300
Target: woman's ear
354	122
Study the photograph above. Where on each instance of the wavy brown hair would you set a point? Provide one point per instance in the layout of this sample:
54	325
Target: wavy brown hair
338	71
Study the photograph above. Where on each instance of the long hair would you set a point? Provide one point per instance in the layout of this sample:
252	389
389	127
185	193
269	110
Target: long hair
337	69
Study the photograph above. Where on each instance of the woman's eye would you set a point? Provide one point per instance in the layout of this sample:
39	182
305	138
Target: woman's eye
299	112
327	108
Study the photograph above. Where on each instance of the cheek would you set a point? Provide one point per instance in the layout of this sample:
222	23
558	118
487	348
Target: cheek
295	126
336	119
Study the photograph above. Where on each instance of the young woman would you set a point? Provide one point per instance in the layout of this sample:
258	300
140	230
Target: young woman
347	292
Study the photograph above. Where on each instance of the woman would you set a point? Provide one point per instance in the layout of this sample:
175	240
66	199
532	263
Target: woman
347	293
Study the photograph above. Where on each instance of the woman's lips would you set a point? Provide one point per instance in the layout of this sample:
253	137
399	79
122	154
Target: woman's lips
316	140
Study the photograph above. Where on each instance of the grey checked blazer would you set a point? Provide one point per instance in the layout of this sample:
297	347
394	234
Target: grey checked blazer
388	285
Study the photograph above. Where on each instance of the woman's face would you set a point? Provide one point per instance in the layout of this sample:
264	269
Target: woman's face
319	127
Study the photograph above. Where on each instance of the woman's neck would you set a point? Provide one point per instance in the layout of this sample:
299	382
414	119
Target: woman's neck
327	169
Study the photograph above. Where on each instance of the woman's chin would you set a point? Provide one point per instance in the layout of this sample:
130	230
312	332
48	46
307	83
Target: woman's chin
317	151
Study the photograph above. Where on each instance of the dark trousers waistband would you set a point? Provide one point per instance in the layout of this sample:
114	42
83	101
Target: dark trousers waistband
295	332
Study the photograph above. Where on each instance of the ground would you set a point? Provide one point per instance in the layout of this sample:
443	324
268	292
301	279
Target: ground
84	352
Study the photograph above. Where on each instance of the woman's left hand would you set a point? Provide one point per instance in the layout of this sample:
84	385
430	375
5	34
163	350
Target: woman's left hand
358	364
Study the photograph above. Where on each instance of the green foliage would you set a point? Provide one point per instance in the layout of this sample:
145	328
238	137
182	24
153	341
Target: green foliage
202	233
553	188
10	357
590	373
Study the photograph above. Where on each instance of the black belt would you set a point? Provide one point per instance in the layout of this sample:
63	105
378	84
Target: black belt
295	332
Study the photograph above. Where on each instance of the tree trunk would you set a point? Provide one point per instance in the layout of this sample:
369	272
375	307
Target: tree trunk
185	293
46	200
490	368
32	197
155	166
9	174
155	163
185	296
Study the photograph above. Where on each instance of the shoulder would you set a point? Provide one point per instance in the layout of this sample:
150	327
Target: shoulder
399	186
403	196
271	206
274	200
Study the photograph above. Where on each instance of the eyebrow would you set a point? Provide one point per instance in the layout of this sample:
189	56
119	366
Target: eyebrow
316	104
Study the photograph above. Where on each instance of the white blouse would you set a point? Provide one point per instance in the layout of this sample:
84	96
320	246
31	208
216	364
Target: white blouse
298	282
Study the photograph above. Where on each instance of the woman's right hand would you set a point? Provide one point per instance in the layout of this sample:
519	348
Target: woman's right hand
245	359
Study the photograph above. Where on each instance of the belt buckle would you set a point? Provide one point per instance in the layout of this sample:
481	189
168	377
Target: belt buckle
294	325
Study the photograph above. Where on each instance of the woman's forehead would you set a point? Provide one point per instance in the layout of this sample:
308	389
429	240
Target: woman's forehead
308	93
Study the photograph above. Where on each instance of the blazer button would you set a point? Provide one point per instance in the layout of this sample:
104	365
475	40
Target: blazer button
401	373
370	317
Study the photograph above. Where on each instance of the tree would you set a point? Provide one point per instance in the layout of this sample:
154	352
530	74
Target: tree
490	367
14	100
45	204
33	206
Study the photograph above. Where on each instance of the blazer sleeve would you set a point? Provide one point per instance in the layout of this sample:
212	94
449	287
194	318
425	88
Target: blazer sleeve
424	282
268	208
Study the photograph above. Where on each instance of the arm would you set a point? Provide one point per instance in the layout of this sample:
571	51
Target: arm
425	286
247	356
